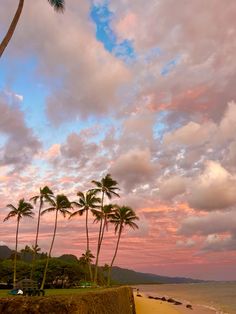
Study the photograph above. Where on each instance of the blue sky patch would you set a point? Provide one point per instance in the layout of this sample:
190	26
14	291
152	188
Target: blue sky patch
102	17
169	66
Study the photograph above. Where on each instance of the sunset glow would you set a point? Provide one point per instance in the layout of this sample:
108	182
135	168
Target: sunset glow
145	92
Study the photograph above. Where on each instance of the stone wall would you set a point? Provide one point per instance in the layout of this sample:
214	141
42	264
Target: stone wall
108	301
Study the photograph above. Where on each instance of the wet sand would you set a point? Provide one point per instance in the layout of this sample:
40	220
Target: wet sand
144	305
148	306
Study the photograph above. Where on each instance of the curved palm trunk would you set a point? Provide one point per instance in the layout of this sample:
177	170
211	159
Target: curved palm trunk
36	240
49	253
12	28
114	257
99	242
87	236
15	256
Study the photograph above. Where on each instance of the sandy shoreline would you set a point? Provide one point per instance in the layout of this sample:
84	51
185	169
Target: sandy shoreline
144	305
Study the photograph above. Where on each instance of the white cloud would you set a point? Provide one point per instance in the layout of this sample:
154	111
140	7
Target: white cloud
212	223
214	189
172	186
133	168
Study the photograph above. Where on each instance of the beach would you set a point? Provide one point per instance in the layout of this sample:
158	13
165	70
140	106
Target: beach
144	305
205	298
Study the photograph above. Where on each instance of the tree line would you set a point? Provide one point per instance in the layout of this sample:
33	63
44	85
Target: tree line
92	201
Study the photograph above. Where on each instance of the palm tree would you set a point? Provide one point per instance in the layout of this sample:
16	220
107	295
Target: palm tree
24	209
87	201
35	249
104	215
58	5
60	204
107	187
85	260
121	217
27	251
44	195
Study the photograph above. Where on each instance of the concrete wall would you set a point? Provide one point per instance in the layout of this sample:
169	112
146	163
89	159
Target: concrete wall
107	301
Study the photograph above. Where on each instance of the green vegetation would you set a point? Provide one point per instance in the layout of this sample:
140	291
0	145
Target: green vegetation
68	271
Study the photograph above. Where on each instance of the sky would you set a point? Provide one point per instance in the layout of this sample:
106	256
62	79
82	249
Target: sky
143	92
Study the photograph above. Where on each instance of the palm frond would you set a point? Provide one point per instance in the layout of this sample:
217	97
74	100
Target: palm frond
58	5
75	204
24	209
34	199
11	214
97	183
12	207
48	210
75	214
65	212
46	190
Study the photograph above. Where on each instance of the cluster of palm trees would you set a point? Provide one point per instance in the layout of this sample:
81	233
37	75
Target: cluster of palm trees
93	201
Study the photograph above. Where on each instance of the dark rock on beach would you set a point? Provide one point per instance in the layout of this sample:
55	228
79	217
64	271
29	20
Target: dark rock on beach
189	306
178	303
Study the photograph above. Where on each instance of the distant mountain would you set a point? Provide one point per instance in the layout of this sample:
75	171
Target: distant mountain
127	276
120	275
5	252
70	258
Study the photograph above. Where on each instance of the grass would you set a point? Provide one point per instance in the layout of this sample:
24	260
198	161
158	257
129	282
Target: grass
4	293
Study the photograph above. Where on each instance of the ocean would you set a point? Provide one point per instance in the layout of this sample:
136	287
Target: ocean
219	295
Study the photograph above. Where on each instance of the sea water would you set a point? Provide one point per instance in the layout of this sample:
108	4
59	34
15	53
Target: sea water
218	295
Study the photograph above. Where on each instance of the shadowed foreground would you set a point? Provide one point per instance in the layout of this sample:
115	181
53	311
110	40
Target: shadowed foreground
109	301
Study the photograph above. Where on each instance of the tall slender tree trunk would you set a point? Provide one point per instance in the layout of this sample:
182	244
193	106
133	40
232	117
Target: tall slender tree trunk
114	257
12	28
50	251
36	240
99	242
87	236
103	230
15	255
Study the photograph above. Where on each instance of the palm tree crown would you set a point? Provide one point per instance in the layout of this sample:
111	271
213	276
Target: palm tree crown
44	194
87	201
107	185
60	204
123	216
24	209
104	214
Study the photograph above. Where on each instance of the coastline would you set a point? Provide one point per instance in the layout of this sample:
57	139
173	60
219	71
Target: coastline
146	305
206	297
